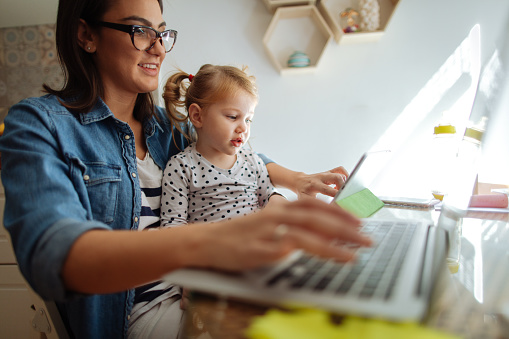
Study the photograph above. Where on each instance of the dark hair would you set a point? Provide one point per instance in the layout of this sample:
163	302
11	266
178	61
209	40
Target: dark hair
82	82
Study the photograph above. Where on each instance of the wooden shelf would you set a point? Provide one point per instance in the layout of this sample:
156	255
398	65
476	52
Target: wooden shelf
272	5
330	10
296	28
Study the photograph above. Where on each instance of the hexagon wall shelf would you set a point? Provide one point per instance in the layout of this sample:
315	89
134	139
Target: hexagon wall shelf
272	5
331	9
296	28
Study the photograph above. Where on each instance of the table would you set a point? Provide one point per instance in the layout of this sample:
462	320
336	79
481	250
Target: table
472	302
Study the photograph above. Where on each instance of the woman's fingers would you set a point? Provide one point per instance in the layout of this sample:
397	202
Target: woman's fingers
327	220
270	234
316	227
312	243
284	239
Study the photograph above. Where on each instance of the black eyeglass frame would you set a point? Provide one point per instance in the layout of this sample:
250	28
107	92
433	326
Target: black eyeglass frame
130	29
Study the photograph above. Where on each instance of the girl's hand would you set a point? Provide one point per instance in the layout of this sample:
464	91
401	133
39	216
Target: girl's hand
327	183
270	234
303	184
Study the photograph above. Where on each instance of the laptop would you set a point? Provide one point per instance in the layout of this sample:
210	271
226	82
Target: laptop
364	173
392	279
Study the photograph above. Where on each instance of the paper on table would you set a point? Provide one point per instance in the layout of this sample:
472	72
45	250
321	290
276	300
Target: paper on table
311	323
438	207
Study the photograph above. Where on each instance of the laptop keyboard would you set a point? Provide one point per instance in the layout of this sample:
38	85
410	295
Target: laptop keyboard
372	275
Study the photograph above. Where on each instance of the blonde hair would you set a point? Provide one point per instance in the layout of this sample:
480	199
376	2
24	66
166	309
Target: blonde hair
211	84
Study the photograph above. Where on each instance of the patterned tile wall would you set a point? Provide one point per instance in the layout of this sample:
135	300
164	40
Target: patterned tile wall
28	58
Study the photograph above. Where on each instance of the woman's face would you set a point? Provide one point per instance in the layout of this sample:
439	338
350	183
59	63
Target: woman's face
126	71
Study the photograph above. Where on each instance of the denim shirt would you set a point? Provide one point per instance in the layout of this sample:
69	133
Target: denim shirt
65	174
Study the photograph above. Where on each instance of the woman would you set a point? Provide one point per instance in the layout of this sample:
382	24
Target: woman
69	169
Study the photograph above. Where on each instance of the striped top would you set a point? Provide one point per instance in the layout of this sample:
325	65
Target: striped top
150	176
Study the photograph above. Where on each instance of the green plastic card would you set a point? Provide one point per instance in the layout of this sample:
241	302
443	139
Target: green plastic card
362	204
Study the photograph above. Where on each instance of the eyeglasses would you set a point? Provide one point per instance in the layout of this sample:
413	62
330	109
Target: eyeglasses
143	37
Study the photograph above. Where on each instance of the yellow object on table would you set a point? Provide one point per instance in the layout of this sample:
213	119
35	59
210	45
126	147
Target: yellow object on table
311	323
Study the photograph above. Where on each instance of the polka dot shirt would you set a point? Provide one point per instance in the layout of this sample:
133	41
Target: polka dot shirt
195	190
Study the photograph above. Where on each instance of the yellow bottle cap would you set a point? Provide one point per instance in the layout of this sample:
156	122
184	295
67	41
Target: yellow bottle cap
445	129
438	196
453	266
474	133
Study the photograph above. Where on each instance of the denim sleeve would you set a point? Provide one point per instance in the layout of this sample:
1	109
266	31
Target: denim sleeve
49	256
266	159
43	211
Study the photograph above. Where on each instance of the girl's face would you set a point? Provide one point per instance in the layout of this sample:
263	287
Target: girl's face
124	69
225	127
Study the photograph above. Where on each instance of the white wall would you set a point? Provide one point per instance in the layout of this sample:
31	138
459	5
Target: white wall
313	122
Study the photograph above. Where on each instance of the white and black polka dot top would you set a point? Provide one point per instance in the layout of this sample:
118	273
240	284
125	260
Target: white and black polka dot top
195	190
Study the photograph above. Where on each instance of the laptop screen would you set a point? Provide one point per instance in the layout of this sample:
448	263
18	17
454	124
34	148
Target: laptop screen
364	173
491	102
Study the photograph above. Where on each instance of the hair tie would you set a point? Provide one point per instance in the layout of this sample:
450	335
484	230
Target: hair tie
191	77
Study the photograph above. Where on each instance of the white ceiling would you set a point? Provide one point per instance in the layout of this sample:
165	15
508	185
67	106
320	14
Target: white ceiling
27	12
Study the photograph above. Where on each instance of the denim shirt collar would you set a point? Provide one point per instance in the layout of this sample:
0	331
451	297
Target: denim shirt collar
101	111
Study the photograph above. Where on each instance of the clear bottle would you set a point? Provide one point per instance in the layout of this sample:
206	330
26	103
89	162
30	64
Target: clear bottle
461	185
444	148
467	164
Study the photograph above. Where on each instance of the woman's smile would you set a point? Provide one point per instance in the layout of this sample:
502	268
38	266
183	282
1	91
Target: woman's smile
150	68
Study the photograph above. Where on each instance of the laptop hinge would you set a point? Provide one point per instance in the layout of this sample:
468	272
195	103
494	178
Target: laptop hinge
434	255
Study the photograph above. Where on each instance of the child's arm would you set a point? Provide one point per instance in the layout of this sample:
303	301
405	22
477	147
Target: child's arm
275	199
266	191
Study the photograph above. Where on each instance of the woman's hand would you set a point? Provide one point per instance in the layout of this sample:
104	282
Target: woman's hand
102	261
270	234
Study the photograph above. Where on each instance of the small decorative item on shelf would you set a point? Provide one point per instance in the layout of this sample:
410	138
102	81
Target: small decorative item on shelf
370	15
298	59
349	19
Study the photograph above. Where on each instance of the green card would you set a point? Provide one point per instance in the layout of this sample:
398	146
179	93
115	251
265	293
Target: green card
362	204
